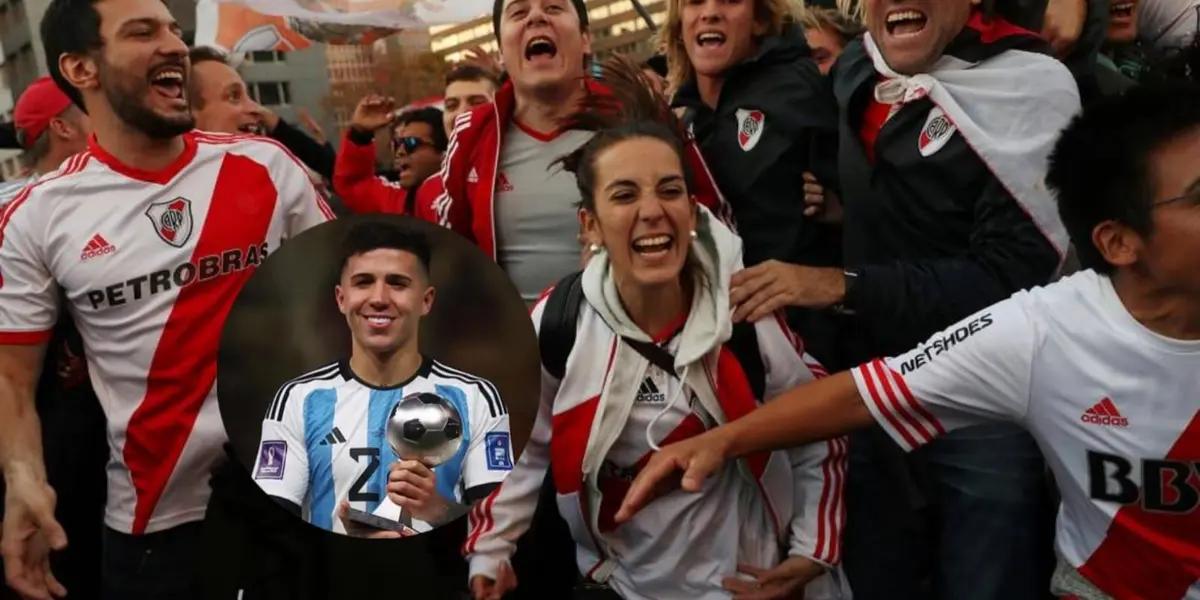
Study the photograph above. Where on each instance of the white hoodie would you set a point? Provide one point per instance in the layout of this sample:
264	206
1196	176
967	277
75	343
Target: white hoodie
595	421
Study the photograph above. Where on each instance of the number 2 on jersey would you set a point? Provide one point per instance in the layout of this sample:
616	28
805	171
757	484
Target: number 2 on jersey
356	489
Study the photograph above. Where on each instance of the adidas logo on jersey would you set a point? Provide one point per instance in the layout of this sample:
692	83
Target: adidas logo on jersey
334	437
473	176
98	246
1104	413
649	393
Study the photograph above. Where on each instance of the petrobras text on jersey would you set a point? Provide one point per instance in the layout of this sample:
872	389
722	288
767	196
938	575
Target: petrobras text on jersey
182	275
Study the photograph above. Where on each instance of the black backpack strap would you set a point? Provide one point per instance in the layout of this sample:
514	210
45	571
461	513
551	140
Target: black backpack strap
556	336
744	345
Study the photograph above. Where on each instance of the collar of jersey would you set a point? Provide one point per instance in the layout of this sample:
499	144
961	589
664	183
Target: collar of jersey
422	371
161	176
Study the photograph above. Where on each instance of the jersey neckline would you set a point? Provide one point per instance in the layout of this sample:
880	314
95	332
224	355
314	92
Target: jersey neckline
1124	319
161	176
422	371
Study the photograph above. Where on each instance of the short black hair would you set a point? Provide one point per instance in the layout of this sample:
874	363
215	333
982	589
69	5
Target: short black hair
69	27
1101	167
430	116
498	10
470	72
373	235
197	55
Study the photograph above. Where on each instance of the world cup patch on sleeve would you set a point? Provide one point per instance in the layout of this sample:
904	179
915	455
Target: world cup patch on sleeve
272	456
499	451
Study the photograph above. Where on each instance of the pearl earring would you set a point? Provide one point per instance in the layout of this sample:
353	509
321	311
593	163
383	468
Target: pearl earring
595	248
693	234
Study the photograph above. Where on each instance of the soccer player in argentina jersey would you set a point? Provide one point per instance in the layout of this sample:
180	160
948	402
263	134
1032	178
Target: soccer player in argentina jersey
149	234
324	446
1102	367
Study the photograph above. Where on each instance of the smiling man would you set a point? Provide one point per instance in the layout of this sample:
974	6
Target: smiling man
324	448
149	235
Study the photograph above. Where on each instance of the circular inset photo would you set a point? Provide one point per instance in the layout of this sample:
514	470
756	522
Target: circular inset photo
376	375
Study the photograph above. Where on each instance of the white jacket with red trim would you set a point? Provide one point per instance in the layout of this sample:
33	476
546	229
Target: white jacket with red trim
756	511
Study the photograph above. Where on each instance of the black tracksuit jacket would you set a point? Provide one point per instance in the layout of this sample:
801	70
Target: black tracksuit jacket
764	185
935	238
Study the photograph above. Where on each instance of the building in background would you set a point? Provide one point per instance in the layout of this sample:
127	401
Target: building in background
285	82
356	70
616	27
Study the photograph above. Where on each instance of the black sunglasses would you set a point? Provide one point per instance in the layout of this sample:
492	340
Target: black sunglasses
410	143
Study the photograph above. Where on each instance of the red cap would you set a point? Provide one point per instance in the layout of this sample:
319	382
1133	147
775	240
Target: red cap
41	102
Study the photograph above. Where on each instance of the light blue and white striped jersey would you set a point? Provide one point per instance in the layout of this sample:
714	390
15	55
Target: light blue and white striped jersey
324	440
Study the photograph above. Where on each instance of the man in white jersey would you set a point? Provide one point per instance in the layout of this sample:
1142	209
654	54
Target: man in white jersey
324	445
1102	368
149	235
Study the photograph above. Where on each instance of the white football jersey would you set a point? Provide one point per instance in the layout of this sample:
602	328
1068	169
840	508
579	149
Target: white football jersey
324	440
1114	406
150	264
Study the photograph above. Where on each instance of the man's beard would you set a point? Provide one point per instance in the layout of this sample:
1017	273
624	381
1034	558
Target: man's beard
128	103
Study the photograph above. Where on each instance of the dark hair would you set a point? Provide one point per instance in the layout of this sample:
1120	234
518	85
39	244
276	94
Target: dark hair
1101	167
469	72
429	116
656	63
197	55
498	10
633	110
374	235
69	27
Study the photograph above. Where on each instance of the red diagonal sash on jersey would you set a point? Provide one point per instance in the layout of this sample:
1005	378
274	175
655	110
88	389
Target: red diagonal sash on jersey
185	363
1149	554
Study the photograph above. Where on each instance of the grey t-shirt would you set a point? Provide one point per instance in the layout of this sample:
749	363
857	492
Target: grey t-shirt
536	209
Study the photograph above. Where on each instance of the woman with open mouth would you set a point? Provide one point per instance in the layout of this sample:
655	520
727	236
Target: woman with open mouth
766	124
638	350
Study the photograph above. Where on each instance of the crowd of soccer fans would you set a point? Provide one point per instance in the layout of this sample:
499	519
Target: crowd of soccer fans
888	299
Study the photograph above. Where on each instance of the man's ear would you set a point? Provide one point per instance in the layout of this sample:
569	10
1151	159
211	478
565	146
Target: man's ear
60	128
80	70
340	298
427	301
1118	243
587	43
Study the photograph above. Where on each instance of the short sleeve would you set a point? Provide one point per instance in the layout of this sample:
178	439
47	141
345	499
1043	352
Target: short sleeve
975	371
281	467
489	458
305	205
28	292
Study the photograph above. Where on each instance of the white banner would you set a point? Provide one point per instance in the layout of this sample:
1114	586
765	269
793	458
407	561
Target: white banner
390	14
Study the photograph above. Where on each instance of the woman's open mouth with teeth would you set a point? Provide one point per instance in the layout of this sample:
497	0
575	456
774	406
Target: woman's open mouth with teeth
1122	10
252	128
710	39
905	22
168	81
540	46
653	244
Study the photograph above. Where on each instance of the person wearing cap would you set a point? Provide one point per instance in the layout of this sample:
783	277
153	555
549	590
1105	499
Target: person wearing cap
49	128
